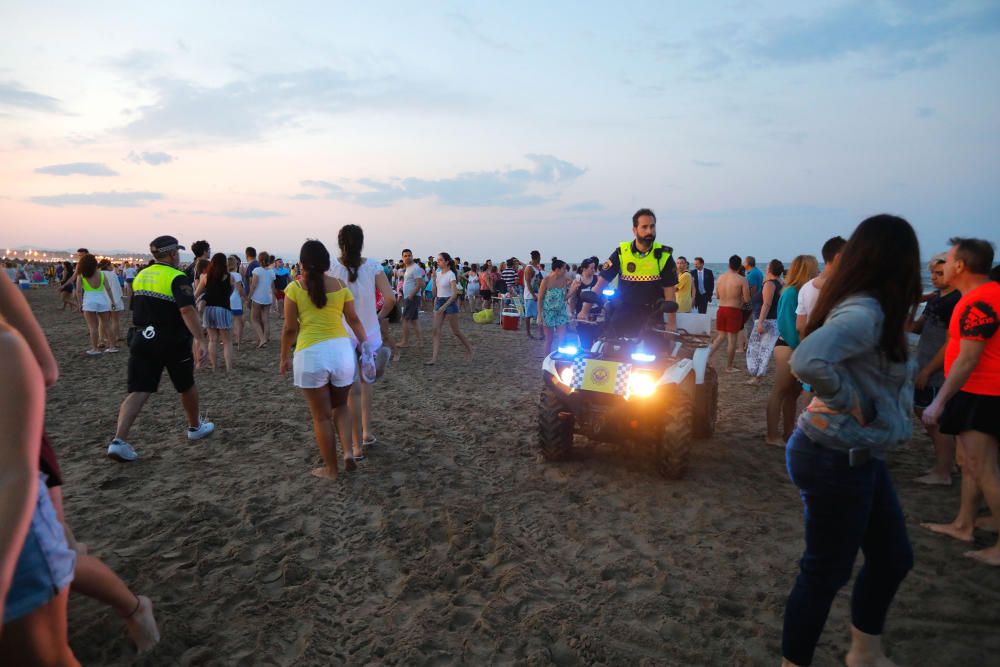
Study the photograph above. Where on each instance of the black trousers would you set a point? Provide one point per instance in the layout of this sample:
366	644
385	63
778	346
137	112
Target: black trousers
701	302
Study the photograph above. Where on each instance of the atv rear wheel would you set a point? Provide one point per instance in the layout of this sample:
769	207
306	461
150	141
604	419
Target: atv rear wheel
706	405
674	447
555	432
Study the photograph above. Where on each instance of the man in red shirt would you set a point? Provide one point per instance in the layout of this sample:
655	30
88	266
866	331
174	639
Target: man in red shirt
968	404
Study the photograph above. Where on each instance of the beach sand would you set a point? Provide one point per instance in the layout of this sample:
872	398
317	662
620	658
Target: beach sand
454	543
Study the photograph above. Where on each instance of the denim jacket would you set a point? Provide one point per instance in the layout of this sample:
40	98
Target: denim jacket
842	362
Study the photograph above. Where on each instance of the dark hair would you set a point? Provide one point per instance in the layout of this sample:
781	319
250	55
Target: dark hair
776	267
751	260
995	274
863	269
83	250
351	240
587	261
735	262
832	248
448	260
218	268
264	259
557	264
199	248
699	259
406	250
976	254
535	254
87	265
250	251
104	264
315	261
200	266
681	257
641	212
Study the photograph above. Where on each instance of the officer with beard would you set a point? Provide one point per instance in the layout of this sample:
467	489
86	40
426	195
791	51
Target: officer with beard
646	273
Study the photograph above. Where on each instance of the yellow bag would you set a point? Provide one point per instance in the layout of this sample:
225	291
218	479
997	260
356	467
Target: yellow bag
484	316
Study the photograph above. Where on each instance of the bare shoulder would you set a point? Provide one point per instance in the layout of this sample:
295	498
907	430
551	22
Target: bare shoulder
333	284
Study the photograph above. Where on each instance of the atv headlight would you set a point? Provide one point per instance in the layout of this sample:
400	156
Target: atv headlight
641	385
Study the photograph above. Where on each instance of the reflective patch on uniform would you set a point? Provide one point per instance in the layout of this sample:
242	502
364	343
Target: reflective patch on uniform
638	279
155	295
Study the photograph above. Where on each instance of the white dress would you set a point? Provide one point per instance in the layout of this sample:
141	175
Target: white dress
363	291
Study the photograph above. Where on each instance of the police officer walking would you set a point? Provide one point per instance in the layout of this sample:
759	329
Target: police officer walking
646	273
164	319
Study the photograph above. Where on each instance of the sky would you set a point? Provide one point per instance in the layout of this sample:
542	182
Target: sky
492	129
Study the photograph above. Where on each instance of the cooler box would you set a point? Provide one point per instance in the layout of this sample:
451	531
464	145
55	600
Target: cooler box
510	319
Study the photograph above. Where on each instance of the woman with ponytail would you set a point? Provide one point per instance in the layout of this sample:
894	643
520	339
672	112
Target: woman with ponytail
446	307
363	276
324	362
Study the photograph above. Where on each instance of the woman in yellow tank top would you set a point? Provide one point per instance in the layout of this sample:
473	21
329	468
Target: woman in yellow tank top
324	362
96	302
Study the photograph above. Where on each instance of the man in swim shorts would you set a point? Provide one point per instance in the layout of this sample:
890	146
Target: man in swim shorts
733	291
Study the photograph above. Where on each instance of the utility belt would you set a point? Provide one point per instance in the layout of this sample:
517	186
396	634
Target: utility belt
150	334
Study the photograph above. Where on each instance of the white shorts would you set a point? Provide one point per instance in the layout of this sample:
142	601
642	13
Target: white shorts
332	361
96	302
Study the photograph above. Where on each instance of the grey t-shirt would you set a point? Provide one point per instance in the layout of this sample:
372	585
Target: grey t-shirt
410	276
937	315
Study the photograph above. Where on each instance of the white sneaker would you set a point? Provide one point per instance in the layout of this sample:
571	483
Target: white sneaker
203	431
121	451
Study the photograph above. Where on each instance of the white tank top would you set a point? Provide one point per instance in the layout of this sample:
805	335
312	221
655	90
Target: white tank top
363	291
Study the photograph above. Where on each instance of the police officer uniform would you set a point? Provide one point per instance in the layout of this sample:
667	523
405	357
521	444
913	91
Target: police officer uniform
642	276
159	338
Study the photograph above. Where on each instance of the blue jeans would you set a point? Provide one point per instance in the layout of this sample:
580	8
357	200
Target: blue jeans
846	509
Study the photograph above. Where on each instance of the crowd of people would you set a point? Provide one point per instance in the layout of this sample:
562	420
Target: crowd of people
837	332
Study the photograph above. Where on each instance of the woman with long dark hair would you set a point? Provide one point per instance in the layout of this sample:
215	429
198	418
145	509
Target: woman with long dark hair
324	362
216	285
446	306
856	359
363	276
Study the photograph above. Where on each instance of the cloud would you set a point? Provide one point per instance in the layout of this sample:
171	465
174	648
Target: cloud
907	40
248	108
154	158
710	164
137	61
249	213
113	199
303	196
586	207
15	96
82	168
463	25
508	188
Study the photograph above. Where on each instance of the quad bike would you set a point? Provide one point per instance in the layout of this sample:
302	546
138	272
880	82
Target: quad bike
653	391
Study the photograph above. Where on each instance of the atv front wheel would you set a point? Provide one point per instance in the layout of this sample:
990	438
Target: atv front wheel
555	427
706	405
674	447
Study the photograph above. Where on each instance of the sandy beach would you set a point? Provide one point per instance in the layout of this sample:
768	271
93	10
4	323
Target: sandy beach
453	543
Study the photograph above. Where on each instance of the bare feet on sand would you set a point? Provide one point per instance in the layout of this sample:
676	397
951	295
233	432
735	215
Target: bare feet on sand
142	625
990	556
350	465
324	473
856	660
775	442
951	530
934	479
987	523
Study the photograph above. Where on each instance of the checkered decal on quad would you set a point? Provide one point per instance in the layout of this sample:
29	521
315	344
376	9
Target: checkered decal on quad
622	378
578	366
622	374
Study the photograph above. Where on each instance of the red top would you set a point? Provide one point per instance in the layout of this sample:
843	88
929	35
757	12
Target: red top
977	317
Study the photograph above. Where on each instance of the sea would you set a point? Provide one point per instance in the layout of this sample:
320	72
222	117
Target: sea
719	268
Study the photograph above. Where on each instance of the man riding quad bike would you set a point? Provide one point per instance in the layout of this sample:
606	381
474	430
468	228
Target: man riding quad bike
635	380
654	391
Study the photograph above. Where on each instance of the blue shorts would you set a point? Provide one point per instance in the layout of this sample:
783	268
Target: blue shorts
237	312
531	307
46	563
450	310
